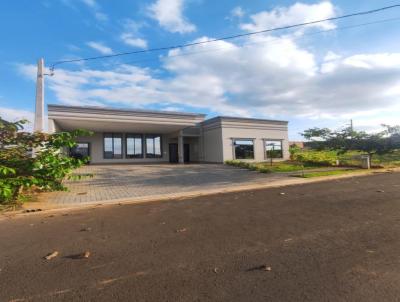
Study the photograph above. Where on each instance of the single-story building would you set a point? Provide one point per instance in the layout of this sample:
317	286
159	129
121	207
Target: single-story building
140	136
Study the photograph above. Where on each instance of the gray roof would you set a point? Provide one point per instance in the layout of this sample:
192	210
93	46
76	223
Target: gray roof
54	107
243	119
125	111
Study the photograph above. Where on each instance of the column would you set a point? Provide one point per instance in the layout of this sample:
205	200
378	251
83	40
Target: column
180	148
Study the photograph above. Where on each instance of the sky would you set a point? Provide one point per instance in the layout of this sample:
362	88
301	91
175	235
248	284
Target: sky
321	75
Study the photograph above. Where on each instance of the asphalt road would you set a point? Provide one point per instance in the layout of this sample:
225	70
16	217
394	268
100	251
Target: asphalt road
329	241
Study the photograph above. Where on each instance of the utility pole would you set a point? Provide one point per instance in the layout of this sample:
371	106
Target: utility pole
39	107
351	125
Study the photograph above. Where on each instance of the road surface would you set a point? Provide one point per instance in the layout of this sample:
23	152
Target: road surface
330	241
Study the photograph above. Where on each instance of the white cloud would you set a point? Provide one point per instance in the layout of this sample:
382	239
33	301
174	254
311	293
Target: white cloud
131	34
95	7
297	13
372	61
130	40
267	76
330	62
276	79
101	16
90	3
100	47
73	47
237	12
169	14
12	115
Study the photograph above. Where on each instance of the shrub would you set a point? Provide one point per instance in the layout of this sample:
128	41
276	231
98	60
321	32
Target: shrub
319	158
294	150
249	166
263	169
34	160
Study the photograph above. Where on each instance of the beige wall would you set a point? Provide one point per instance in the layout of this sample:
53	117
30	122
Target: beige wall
219	135
52	126
259	135
212	145
193	148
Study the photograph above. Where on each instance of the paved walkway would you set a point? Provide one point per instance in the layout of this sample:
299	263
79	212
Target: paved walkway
113	182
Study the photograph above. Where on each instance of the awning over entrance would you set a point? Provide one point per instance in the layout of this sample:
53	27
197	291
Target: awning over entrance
115	125
113	120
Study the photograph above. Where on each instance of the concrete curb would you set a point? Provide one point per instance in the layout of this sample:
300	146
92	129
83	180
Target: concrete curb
290	181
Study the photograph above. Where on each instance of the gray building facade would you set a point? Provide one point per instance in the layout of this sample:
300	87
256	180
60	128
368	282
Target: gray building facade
141	136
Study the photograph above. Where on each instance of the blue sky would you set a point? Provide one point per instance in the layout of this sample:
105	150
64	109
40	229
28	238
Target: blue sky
304	76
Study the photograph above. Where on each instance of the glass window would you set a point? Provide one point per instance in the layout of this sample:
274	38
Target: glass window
273	149
244	148
112	145
153	146
134	146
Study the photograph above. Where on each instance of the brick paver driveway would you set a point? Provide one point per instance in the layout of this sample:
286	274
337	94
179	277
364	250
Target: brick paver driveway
113	182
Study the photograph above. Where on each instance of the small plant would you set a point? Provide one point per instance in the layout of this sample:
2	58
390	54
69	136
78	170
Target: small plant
34	160
293	150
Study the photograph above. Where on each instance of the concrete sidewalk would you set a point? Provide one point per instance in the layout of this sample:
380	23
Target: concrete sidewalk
121	184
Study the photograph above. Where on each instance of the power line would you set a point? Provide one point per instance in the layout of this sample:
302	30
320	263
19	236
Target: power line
226	37
269	41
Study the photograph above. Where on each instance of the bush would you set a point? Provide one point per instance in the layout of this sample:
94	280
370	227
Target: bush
317	158
34	160
249	166
294	150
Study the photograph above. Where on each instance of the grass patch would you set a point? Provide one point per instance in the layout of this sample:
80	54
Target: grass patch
285	166
326	173
312	159
348	159
265	167
387	160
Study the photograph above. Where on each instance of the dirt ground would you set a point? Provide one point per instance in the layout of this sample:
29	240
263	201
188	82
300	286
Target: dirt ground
330	241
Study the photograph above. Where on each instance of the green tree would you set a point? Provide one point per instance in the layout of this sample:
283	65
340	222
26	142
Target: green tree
34	160
348	139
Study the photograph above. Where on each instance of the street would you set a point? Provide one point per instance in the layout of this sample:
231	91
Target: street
336	240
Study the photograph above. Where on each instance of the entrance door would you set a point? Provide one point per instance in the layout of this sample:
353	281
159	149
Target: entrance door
173	153
186	153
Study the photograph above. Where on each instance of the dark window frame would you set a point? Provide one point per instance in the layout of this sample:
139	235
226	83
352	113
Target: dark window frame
234	140
266	151
153	155
134	135
113	135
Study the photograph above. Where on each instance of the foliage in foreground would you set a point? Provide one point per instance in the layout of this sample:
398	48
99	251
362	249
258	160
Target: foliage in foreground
19	170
